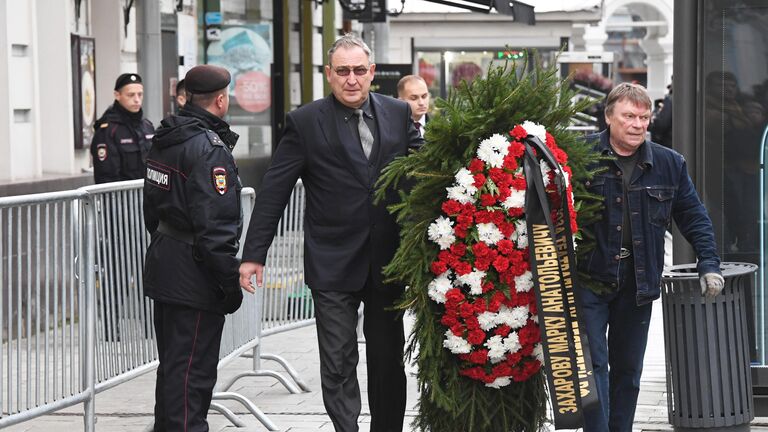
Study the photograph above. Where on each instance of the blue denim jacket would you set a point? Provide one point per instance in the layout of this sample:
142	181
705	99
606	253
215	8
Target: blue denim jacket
660	190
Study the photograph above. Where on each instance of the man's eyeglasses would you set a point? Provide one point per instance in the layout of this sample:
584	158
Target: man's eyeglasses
344	71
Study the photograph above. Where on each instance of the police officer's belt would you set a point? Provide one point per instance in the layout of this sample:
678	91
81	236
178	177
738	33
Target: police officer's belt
182	236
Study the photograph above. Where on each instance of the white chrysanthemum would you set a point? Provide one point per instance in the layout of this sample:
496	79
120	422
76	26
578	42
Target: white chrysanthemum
487	320
545	169
460	194
456	344
516	199
536	130
499	382
538	352
496	348
489	233
441	232
512	343
567	178
493	150
521	234
524	282
513	317
439	286
465	179
535	318
474	280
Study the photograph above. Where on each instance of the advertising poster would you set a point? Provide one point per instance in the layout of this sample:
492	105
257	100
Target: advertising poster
83	88
246	51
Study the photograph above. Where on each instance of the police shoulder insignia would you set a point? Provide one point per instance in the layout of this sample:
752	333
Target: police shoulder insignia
214	138
220	180
101	152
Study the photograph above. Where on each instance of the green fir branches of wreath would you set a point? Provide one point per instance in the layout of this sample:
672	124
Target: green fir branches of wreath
509	95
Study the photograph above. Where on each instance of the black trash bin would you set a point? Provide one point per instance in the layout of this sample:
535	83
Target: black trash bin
707	349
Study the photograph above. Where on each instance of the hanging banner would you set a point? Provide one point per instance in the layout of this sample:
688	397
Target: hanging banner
553	265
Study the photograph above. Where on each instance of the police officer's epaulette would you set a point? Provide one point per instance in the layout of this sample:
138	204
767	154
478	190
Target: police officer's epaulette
214	138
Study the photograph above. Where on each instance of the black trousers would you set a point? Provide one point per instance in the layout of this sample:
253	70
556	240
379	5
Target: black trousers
188	343
336	320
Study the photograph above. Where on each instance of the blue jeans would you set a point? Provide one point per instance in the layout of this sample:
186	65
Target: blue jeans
617	361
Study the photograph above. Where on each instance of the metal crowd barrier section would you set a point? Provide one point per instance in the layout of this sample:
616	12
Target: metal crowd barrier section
45	307
125	342
286	300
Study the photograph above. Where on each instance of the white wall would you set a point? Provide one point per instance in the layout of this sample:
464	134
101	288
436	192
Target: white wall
22	142
54	81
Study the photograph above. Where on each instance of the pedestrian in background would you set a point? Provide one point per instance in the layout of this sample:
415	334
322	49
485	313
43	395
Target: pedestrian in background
181	95
644	188
413	89
661	126
192	210
123	136
338	146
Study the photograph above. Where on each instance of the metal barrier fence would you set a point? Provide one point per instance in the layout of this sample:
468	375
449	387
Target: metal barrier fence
75	321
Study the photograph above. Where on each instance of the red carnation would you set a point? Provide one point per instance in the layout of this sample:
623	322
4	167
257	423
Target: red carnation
505	246
476	337
479	180
519	183
529	334
463	268
447	257
454	295
458	249
487	286
449	320
502	330
457	329
438	267
497	300
483	216
466	310
515	212
480	249
451	207
487	200
510	162
479	357
516	149
480	306
518	132
501	263
460	231
476	166
483	263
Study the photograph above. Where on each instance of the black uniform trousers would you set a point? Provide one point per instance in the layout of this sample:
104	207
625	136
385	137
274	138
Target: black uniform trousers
188	343
336	320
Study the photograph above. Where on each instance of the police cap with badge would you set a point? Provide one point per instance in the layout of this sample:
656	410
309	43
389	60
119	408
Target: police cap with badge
125	79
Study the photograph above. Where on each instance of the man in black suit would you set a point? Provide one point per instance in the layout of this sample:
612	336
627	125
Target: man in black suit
338	146
413	89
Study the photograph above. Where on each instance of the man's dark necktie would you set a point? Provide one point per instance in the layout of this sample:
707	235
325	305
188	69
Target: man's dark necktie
366	137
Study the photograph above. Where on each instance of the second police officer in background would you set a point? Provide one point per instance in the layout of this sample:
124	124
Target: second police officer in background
123	136
192	209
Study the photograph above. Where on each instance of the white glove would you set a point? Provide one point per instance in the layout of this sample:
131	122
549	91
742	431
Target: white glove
711	284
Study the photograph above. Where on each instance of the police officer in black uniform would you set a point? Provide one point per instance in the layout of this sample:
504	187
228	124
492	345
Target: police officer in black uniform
123	136
192	210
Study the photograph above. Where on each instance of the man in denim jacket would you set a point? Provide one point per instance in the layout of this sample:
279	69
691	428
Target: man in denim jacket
644	188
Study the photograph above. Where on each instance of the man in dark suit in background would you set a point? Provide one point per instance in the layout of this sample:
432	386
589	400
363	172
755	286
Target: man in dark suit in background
413	89
338	146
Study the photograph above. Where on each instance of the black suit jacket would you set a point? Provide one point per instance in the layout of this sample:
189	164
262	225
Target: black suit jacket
346	236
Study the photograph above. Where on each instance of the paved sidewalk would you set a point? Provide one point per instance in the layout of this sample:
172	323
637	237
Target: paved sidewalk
128	407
